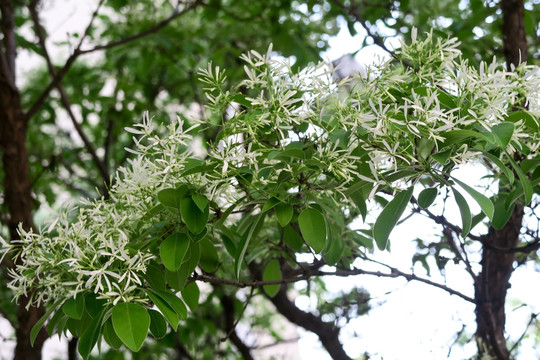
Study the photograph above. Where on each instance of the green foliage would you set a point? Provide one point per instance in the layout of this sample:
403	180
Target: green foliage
289	172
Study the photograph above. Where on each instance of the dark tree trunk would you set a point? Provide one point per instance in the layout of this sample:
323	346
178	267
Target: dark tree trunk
491	286
497	266
16	182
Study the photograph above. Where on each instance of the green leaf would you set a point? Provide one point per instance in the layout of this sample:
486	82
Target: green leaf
56	319
313	227
39	324
427	197
390	216
110	336
194	217
191	294
131	323
270	203
507	172
503	133
292	238
174	303
502	213
244	243
173	249
171	197
272	272
209	260
201	201
527	118
442	156
485	204
334	248
90	336
74	307
466	218
525	183
155	277
165	309
360	202
158	324
284	213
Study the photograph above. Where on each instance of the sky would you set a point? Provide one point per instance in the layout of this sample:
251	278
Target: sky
408	320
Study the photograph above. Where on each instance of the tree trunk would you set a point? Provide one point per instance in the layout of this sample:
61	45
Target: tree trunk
16	182
491	285
497	266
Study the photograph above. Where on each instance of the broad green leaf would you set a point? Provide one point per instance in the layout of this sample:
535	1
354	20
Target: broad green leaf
177	279
334	248
201	201
173	249
503	133
110	336
466	218
502	213
360	202
485	203
507	172
174	303
362	240
155	277
390	216
165	309
74	307
457	136
39	324
209	260
272	272
158	324
56	319
286	154
270	203
442	156
292	238
427	197
194	217
191	294
244	243
525	183
527	118
171	197
131	323
90	336
313	227
284	213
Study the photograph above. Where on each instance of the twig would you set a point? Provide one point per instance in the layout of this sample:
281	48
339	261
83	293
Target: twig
531	320
305	274
77	52
63	96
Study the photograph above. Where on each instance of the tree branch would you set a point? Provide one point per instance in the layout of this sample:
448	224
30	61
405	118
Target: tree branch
9	53
227	302
57	78
353	11
304	274
77	52
104	172
327	332
176	13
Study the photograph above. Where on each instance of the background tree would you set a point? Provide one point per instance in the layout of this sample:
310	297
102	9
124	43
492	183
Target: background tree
65	163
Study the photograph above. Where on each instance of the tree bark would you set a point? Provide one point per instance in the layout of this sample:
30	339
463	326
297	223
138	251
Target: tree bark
328	334
16	182
497	266
491	286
